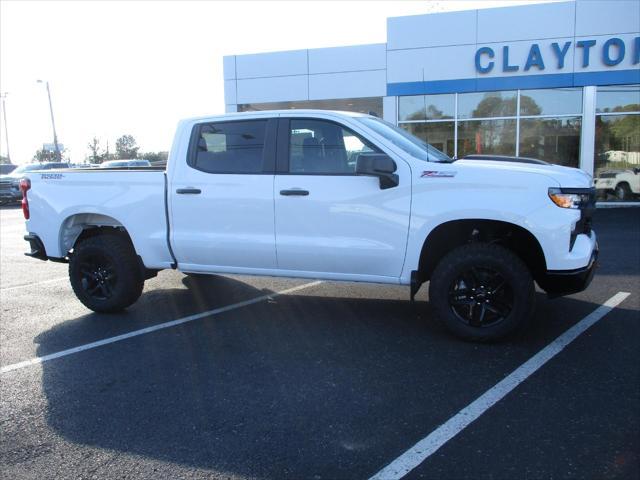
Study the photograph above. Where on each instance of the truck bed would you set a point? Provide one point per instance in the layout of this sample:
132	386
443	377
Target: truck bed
134	198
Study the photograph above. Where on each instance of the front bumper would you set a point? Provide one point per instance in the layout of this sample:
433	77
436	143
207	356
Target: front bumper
565	282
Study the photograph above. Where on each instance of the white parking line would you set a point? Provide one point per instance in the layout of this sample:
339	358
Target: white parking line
426	447
154	328
35	284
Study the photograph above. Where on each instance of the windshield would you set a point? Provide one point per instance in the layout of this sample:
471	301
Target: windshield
113	163
26	168
401	138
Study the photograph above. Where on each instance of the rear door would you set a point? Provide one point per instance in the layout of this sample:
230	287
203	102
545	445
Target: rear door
222	197
329	220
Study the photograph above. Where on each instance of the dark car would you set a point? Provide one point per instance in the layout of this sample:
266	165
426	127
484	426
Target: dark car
10	184
7	168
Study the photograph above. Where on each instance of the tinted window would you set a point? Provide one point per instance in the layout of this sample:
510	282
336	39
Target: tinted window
230	147
317	146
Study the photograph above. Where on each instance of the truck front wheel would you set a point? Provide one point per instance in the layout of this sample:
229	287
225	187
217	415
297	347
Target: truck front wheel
482	292
623	191
105	274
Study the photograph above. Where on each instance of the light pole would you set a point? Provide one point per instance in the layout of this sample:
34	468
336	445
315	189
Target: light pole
6	132
53	123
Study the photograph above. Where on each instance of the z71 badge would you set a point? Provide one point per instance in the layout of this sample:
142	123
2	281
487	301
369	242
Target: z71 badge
439	173
51	176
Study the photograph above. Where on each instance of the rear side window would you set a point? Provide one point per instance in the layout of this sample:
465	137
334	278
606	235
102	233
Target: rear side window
230	147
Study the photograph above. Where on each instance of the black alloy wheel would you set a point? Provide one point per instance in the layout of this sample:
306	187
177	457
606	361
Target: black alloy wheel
481	297
105	273
98	277
482	292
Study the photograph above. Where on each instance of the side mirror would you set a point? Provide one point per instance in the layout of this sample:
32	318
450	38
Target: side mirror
378	165
636	171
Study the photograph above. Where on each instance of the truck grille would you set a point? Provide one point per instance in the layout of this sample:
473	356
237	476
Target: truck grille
586	214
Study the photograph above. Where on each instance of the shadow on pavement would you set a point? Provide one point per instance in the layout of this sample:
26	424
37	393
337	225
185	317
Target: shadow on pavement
295	387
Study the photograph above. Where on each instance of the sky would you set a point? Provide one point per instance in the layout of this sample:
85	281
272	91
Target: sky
136	68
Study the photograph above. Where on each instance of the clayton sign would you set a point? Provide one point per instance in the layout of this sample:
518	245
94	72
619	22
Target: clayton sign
612	52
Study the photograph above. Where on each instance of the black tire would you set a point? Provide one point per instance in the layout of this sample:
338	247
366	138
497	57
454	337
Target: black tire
105	273
623	191
497	298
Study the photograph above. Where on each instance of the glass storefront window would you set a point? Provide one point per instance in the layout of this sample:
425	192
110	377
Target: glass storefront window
617	162
554	140
438	134
487	137
361	105
426	107
551	101
411	108
487	104
618	98
617	143
440	106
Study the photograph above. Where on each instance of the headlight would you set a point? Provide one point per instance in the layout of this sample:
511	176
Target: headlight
571	197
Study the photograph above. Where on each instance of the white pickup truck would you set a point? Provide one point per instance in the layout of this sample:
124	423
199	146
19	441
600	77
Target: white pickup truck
323	195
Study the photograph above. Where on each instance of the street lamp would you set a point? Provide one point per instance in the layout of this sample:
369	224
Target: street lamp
6	132
53	123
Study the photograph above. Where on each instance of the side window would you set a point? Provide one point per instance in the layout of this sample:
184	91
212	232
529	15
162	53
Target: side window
318	146
230	147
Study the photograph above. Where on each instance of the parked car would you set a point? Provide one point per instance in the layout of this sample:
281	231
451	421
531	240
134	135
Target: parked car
238	188
10	183
624	184
7	168
125	163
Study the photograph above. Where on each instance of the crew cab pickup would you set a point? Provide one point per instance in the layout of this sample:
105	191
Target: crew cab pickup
324	195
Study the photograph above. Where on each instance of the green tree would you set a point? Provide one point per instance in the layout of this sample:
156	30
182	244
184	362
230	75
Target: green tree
154	157
495	106
528	106
126	147
43	155
97	156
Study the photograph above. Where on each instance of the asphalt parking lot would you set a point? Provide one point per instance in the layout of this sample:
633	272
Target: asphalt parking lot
322	381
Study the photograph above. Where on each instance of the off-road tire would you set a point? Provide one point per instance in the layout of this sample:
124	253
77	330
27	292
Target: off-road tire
482	258
111	253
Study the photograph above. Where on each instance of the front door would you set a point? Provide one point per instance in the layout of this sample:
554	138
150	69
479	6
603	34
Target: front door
329	221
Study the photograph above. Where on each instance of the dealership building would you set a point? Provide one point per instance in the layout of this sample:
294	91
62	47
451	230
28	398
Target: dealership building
555	81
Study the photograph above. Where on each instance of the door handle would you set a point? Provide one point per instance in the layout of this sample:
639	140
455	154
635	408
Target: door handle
294	191
189	190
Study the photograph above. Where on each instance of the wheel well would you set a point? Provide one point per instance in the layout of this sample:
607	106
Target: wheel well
94	231
84	225
80	227
623	183
450	235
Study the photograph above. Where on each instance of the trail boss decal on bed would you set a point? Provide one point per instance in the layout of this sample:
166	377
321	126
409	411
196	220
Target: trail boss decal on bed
51	176
439	173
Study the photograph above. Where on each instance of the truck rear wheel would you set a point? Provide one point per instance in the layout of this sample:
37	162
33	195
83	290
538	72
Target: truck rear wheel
482	292
105	274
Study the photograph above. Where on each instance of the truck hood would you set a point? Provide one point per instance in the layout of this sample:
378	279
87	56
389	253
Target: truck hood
567	177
